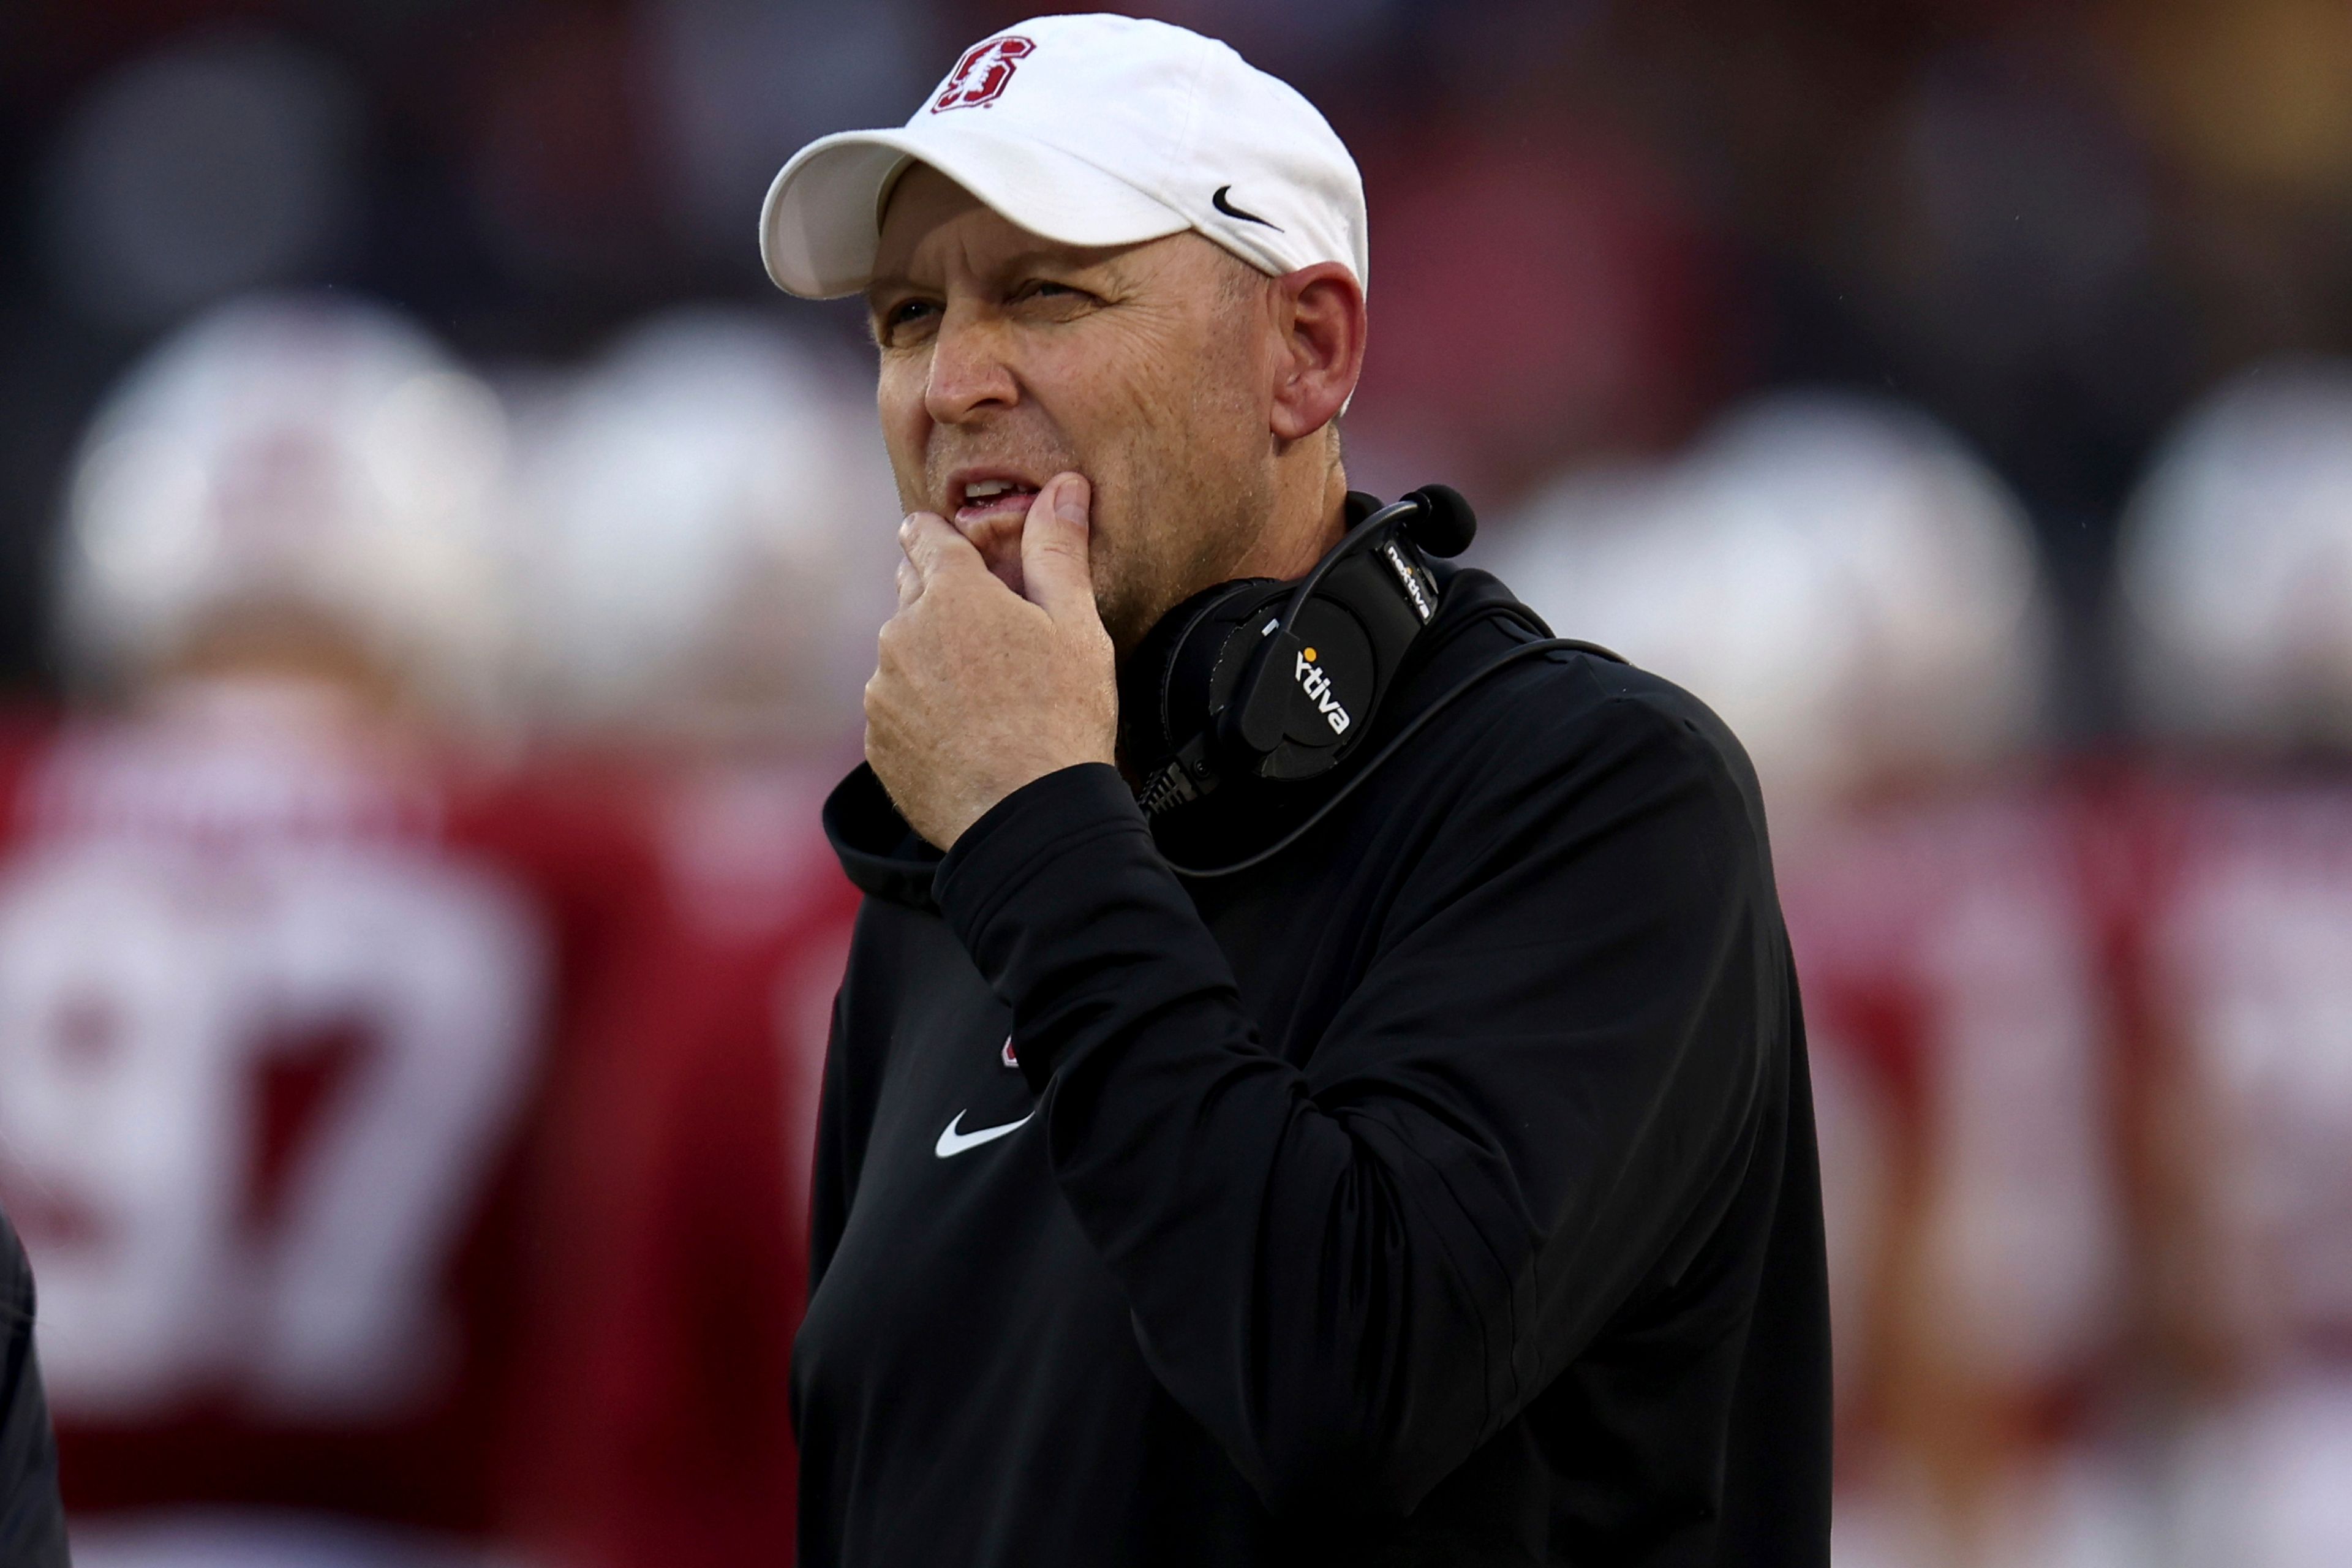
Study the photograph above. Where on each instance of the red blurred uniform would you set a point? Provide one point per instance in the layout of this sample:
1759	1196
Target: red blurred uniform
709	554
2235	963
287	1015
1955	995
2233	921
683	1268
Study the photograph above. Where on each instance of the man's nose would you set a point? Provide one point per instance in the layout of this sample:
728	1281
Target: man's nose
969	371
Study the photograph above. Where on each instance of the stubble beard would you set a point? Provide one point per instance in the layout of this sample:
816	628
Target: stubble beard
1147	565
1194	508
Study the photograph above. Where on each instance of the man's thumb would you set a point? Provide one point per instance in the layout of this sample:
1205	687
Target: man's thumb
1054	574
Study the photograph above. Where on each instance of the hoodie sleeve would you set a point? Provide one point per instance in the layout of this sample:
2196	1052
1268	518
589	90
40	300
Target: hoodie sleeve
32	1521
1540	1097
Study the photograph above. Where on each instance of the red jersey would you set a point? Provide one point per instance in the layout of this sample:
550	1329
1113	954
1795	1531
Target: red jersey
683	1268
1961	1042
2237	971
284	1016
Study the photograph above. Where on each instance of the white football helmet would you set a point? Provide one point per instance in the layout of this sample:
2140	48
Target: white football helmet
2235	569
1853	592
305	452
710	538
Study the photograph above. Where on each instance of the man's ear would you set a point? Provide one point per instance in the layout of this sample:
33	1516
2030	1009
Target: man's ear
1319	310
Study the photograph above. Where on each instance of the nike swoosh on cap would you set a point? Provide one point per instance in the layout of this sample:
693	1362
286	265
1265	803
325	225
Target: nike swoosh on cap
1218	201
953	1141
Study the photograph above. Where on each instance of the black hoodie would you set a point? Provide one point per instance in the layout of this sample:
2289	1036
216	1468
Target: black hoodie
32	1523
1443	1190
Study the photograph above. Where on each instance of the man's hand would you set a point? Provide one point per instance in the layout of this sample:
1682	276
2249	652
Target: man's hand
980	689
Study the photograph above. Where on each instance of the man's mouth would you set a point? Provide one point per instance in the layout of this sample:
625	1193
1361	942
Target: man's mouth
982	498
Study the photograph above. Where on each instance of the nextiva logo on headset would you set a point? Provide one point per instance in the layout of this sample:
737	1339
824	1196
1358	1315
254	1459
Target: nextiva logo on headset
1318	686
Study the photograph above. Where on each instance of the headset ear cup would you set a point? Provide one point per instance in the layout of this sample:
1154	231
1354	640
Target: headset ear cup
1277	680
1178	677
1316	685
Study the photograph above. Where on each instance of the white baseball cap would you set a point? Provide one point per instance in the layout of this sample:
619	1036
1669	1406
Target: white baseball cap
1090	131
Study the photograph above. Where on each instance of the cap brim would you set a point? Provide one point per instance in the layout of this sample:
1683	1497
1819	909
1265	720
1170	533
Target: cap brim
822	222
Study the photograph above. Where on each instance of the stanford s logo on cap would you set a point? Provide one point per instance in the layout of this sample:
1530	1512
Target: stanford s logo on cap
983	73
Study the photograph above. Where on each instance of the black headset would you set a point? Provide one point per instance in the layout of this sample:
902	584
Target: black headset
1270	679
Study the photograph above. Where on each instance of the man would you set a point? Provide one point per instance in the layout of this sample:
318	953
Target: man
1840	576
2229	909
1439	1188
32	1522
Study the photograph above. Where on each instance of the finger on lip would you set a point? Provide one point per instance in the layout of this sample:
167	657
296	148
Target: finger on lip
1019	482
1004	502
989	527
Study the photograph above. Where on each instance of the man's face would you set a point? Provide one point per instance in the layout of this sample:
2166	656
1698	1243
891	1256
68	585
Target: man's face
1007	358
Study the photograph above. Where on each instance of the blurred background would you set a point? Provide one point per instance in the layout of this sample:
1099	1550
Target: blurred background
438	570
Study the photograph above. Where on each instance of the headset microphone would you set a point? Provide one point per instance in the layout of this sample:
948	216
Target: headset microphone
1444	525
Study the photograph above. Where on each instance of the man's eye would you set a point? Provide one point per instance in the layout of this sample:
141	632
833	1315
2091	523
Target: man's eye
905	313
1045	288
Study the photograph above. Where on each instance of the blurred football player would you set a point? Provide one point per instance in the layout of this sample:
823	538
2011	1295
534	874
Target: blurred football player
687	581
1838	576
1859	597
707	558
290	990
2236	619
